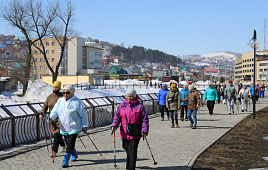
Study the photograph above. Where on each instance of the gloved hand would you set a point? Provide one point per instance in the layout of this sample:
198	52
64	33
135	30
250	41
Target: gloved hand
143	135
114	128
84	129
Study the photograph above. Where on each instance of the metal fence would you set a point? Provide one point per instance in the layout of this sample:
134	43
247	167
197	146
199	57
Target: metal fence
27	127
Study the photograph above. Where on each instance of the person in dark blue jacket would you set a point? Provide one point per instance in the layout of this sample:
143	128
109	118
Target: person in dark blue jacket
161	100
252	92
183	94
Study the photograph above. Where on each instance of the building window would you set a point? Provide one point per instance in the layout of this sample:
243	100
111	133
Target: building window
52	52
52	59
35	51
52	43
40	52
35	59
41	59
41	75
52	67
46	67
47	51
35	68
47	43
35	44
41	67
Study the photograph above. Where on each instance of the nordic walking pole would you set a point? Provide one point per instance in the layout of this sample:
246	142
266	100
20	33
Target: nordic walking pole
94	144
45	134
51	142
81	141
114	150
150	151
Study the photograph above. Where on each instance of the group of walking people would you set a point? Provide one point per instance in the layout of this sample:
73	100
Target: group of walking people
68	118
187	100
232	95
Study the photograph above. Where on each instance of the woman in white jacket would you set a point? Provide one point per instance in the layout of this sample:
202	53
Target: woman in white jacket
72	118
244	95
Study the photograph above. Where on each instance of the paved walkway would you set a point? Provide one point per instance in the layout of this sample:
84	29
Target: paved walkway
175	148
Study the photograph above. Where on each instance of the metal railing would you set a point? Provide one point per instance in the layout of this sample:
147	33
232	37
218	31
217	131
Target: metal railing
26	126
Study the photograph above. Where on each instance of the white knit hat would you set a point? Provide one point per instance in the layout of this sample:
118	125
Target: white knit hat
69	88
132	92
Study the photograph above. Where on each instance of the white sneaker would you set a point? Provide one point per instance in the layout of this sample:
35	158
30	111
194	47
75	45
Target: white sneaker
63	148
54	154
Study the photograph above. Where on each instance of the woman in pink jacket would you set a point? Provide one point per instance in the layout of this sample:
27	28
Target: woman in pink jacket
131	111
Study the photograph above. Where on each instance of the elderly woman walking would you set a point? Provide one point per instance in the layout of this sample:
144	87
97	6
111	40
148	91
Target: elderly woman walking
193	105
131	113
210	96
49	104
72	118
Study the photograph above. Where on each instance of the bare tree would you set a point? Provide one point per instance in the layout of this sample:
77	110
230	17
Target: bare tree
36	21
17	13
60	30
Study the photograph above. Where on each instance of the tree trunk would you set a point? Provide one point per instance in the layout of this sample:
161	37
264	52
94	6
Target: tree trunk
25	86
54	77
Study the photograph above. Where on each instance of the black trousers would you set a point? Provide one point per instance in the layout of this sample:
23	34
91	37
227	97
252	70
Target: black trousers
210	106
183	108
162	109
57	141
219	97
70	142
131	148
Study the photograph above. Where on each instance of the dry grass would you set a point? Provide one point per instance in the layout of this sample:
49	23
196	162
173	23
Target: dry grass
242	148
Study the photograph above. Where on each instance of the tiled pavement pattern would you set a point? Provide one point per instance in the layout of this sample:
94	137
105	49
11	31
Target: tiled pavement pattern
173	148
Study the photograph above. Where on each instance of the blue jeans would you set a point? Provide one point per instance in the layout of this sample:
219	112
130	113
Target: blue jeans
162	109
262	94
190	112
173	113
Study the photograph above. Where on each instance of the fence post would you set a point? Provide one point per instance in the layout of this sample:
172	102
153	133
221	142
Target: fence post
81	86
94	117
113	108
13	125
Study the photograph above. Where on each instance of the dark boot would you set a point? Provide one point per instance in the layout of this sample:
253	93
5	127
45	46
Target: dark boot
74	155
66	160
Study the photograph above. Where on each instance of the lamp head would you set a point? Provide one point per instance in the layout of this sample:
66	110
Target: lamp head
254	41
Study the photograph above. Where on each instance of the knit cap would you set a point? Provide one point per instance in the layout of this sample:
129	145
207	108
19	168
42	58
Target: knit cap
132	92
172	85
164	85
191	87
69	88
57	84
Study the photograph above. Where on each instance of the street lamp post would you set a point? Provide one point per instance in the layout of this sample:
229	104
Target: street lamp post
254	44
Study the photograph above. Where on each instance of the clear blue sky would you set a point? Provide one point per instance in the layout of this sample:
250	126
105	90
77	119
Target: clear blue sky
178	27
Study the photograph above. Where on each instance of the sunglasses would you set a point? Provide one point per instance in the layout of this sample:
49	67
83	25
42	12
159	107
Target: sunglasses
66	92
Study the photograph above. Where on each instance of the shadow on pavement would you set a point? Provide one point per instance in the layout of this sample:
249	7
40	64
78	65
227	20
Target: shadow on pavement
96	152
101	161
211	127
165	168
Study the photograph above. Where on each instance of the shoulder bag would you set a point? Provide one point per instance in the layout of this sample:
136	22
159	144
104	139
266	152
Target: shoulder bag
133	130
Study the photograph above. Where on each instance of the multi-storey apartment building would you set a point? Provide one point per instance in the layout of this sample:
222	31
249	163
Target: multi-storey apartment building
238	70
261	61
80	58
